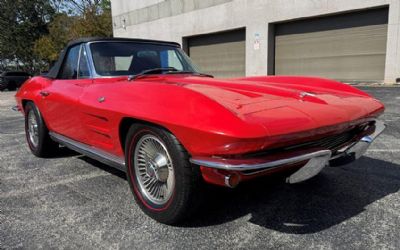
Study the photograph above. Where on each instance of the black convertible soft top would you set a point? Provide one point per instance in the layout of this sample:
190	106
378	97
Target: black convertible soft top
53	73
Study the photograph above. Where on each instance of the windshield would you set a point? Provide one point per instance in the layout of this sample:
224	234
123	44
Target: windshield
131	58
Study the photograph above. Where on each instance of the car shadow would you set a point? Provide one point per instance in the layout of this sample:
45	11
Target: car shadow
330	198
334	196
62	152
103	166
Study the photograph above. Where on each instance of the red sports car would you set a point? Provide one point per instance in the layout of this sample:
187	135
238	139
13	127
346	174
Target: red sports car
143	107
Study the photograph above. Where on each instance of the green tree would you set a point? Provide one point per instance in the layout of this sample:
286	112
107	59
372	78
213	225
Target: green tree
21	24
33	32
48	46
82	18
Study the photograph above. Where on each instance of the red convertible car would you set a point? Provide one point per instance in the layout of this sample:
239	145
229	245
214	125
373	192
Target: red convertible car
143	107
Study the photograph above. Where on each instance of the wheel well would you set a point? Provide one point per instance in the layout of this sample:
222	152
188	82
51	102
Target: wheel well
127	122
24	102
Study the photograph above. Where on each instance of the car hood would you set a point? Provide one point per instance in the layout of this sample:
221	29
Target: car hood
285	107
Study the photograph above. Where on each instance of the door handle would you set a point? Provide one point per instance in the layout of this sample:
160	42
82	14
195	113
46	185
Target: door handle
44	93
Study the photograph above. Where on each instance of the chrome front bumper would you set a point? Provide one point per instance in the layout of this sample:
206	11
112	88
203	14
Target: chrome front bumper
315	160
357	149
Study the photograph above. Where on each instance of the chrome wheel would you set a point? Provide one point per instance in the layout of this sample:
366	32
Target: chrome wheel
33	129
154	170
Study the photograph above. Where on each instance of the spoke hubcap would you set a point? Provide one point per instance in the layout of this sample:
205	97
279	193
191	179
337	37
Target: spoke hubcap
154	170
33	130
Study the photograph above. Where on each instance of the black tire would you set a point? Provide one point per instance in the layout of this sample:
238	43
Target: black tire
186	194
45	146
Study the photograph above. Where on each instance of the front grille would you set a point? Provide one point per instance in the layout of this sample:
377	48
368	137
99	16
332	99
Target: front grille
332	142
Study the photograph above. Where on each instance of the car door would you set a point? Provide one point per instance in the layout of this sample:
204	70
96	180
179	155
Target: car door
61	97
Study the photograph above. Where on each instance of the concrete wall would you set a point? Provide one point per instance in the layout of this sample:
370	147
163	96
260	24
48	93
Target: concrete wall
174	19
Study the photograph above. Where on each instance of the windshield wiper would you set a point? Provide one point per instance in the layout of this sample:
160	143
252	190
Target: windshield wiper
190	72
152	71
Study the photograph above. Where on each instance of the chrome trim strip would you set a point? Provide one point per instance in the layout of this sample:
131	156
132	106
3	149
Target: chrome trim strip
89	58
79	61
254	164
90	151
83	52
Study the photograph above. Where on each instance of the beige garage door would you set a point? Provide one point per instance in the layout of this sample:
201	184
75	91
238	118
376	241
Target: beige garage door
352	51
221	54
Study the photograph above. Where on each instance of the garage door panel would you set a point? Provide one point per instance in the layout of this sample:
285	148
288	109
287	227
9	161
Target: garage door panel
221	55
360	40
222	60
346	68
355	53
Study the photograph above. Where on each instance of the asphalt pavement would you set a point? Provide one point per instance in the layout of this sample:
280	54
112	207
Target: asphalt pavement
71	201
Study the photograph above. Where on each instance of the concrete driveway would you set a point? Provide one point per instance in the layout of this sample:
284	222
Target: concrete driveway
71	201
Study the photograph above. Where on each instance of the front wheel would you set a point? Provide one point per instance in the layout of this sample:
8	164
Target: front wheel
163	181
37	134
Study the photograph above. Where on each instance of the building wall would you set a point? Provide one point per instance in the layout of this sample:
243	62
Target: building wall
174	19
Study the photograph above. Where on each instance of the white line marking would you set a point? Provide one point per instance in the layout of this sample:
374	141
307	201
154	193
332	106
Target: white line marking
384	150
52	184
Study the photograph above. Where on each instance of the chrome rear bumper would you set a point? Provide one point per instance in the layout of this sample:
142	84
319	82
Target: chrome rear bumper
315	160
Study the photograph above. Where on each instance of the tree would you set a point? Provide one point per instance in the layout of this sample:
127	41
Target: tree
33	32
48	46
78	19
21	24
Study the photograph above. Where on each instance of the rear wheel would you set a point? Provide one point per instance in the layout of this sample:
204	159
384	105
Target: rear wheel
37	134
163	181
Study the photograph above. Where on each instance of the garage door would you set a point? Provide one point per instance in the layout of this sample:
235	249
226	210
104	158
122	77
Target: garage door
349	47
221	54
